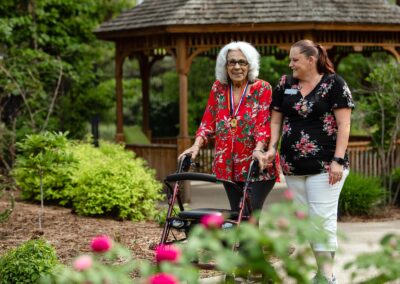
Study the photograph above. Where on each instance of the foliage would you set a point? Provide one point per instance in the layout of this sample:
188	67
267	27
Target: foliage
164	106
111	180
44	160
28	262
94	181
285	225
381	115
360	195
395	176
386	261
43	155
5	190
271	69
51	64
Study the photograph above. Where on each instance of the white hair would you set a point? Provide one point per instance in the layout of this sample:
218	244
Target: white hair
251	54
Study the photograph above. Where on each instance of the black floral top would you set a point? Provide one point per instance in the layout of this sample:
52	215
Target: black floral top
309	125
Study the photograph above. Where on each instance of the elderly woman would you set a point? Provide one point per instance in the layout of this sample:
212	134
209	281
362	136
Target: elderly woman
237	114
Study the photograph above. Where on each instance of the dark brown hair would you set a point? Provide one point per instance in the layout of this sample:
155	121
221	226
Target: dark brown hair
310	48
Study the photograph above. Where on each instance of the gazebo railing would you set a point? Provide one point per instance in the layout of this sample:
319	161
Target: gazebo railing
163	157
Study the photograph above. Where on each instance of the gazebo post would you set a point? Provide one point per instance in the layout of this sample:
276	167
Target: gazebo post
119	61
183	140
145	77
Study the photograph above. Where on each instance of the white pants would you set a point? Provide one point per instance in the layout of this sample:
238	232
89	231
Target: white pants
321	199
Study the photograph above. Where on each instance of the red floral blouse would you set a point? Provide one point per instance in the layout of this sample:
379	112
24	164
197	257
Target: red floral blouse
234	146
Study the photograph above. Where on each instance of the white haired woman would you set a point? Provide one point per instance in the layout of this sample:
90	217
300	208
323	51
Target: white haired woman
237	114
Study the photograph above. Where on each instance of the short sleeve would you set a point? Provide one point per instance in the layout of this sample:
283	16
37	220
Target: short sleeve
277	95
340	95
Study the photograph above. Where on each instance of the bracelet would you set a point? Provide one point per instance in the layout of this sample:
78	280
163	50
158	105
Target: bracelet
259	150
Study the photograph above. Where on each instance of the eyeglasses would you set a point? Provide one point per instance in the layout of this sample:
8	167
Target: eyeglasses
233	62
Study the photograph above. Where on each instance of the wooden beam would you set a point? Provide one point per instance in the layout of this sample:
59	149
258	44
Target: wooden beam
119	61
246	27
392	50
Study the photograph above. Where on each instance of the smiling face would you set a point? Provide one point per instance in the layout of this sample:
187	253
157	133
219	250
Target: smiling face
237	66
300	64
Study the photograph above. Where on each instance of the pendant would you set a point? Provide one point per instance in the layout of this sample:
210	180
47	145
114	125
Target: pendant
233	122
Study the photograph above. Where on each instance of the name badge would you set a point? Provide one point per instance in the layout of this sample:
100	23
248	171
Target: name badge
291	91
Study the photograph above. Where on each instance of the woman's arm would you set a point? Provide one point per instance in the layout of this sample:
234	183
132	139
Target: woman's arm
343	120
276	125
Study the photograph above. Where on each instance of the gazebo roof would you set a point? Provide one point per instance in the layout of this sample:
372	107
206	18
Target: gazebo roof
158	14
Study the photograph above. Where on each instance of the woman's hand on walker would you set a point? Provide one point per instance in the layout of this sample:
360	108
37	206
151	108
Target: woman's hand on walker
259	156
194	150
269	157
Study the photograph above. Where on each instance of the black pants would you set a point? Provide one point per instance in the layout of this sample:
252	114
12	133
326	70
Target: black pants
258	192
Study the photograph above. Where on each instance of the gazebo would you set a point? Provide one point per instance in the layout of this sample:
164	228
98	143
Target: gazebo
185	29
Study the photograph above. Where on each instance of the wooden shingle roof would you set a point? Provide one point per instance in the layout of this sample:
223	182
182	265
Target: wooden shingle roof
162	13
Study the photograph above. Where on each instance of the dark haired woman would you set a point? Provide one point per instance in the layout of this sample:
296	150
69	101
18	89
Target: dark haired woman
314	105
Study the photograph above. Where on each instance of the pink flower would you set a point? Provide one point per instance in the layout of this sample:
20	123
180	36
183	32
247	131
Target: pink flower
212	220
83	262
300	215
167	253
288	194
163	278
101	243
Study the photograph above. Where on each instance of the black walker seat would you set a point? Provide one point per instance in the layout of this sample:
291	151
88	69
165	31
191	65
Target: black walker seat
184	220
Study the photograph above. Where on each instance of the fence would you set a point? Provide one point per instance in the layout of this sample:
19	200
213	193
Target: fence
365	160
163	157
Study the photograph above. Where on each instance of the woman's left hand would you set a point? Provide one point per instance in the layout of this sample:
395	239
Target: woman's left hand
335	173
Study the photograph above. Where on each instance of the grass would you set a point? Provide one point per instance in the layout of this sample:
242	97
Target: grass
133	134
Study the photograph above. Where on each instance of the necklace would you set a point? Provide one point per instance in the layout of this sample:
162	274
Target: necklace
232	111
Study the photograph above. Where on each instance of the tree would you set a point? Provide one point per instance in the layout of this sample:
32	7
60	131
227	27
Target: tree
50	65
382	117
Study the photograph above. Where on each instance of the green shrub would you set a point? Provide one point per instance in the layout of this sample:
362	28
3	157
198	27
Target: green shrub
110	180
44	155
385	261
360	195
27	263
94	181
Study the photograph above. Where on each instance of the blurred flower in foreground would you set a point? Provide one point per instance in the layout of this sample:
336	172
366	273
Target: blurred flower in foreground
212	220
300	214
167	253
83	262
288	194
101	243
163	278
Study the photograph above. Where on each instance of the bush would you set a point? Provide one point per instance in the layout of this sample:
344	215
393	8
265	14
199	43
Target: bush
285	225
95	181
360	195
27	263
385	261
44	156
395	189
110	180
